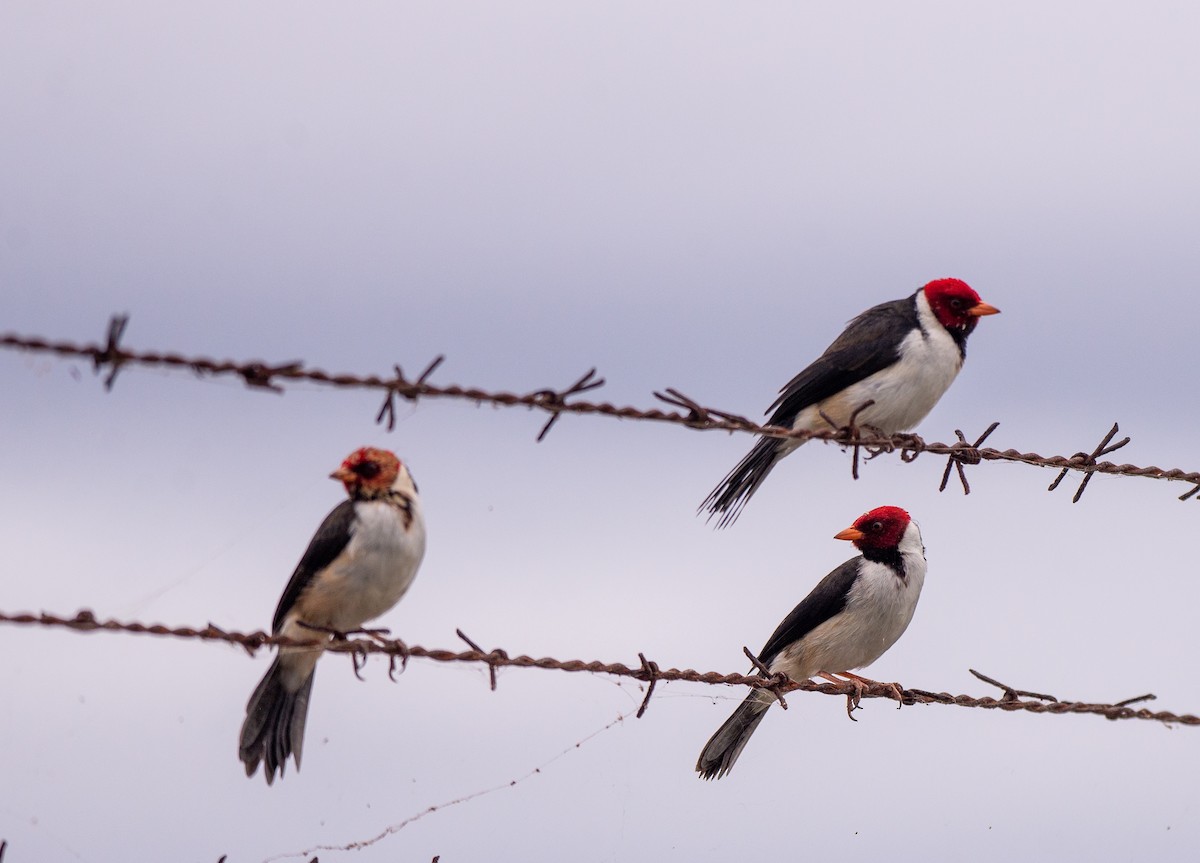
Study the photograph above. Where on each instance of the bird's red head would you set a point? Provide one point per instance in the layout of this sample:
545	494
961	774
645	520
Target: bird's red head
956	304
881	528
368	471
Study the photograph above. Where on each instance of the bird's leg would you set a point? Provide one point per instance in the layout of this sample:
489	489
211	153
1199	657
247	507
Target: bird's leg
897	689
359	652
852	700
340	635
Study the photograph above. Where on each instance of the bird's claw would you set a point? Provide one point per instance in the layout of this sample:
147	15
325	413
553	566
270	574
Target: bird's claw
853	699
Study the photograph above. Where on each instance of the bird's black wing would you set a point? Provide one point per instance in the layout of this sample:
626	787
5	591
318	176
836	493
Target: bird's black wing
327	543
870	343
826	599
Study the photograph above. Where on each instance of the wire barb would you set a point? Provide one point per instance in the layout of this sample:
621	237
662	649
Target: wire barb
777	684
1086	463
963	453
492	659
551	399
1011	694
112	355
401	386
779	679
650	670
698	416
261	375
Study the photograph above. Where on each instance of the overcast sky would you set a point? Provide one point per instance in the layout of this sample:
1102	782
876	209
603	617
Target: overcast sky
694	195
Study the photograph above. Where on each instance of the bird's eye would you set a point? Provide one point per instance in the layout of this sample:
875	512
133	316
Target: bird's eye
876	526
956	304
366	469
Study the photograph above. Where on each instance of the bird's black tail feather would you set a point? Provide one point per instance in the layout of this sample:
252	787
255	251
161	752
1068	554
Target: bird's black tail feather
274	726
731	494
723	748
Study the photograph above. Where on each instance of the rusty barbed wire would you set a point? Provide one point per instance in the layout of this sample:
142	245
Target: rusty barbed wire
266	376
646	671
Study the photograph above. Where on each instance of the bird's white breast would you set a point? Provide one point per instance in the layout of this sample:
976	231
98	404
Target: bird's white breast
372	572
906	391
879	607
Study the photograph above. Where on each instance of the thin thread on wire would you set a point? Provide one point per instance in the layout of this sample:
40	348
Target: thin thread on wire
266	376
646	671
358	845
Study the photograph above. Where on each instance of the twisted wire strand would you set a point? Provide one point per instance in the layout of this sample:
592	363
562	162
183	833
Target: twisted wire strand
262	375
646	671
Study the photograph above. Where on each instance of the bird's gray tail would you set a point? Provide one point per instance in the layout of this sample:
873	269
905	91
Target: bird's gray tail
723	748
731	494
274	726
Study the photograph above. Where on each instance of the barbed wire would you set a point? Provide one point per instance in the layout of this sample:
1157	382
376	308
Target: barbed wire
256	374
646	671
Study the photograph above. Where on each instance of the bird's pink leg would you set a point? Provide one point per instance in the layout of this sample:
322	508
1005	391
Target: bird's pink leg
851	700
897	689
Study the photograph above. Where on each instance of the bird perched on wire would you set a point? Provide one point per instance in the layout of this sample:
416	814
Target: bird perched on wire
849	620
359	563
885	371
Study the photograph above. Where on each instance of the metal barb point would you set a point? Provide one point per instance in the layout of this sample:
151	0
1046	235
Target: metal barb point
779	679
1149	696
553	398
698	416
1087	462
112	354
429	369
963	453
492	659
1011	694
651	670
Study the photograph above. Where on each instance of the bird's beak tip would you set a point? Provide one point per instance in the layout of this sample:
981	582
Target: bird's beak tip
851	533
342	475
981	309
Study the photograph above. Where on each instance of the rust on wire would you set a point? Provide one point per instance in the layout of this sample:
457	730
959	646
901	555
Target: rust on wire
1085	462
698	416
399	386
86	621
650	671
963	453
779	678
492	658
112	355
1011	694
551	399
261	375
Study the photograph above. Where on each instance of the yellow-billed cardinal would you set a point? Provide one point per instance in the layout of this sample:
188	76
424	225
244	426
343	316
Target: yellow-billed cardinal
851	617
902	356
359	563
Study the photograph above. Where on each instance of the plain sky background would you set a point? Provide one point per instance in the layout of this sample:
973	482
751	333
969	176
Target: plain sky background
695	195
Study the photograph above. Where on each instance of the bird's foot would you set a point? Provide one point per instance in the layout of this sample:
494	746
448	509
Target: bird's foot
853	698
896	689
897	693
343	635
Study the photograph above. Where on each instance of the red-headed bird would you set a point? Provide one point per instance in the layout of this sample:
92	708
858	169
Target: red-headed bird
849	620
359	563
901	355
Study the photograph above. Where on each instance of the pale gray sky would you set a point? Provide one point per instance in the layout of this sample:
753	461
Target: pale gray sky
694	195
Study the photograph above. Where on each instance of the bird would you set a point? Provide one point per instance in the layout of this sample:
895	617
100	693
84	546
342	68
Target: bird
849	620
357	566
885	371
